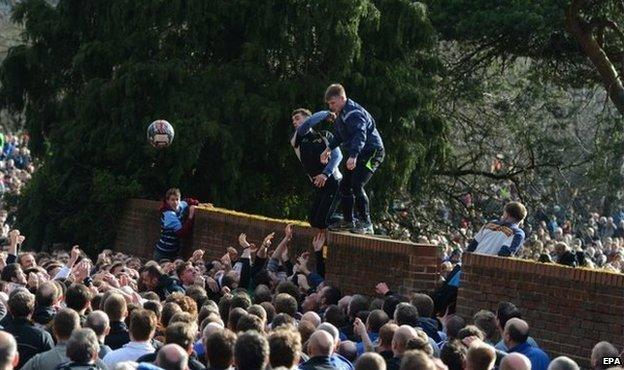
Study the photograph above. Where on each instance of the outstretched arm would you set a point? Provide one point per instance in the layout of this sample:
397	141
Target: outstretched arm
312	121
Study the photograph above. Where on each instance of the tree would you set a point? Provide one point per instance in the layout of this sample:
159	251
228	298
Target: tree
226	74
573	44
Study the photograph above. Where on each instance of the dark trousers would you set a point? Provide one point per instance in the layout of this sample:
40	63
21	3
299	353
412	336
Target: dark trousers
352	186
161	255
324	203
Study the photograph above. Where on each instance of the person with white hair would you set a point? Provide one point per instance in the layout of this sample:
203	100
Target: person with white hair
563	363
9	357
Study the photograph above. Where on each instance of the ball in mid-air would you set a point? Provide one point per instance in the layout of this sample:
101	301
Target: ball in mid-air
160	134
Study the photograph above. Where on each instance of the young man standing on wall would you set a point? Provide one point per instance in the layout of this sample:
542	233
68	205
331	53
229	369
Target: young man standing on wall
308	144
176	221
356	131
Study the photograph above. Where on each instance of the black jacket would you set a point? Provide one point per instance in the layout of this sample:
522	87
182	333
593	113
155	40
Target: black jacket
118	335
318	363
30	340
430	326
167	285
43	315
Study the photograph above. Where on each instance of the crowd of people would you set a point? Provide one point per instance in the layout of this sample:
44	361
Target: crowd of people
259	306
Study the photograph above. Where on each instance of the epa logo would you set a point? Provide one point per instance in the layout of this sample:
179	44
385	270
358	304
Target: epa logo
611	361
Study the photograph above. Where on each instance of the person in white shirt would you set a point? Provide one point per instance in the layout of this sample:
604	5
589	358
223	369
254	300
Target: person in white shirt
142	329
503	237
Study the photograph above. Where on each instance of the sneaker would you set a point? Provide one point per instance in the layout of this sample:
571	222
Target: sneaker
363	228
341	225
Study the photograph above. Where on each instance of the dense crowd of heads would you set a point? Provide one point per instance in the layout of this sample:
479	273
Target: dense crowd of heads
254	308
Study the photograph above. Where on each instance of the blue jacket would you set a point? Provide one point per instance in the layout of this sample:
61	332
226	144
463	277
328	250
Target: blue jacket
539	359
336	155
355	130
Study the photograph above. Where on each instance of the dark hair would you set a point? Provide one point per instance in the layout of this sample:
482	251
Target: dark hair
219	347
288	288
10	271
333	91
332	295
406	314
181	334
506	311
262	293
250	322
270	310
168	311
392	302
142	324
454	324
377	319
358	303
282	319
285	303
453	355
518	336
224	306
64	323
486	321
152	270
470	331
257	310
335	316
21	304
155	307
198	294
77	297
423	303
516	210
115	307
285	346
302	111
251	351
235	315
241	300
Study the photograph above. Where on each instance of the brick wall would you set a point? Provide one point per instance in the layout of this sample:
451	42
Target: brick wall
354	263
568	310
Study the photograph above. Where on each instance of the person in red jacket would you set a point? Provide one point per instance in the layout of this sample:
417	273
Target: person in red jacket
176	222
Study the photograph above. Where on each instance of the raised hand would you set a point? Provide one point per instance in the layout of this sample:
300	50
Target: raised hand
382	288
359	328
268	240
242	240
318	242
288	232
197	255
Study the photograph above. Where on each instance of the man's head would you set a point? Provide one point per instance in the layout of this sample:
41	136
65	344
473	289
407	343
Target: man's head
186	272
182	334
285	303
480	357
600	351
370	361
358	303
348	350
13	273
9	358
299	115
386	334
47	295
563	363
78	297
83	346
21	304
406	314
453	355
172	357
516	332
376	319
335	97
486	321
423	303
251	351
515	361
284	348
142	325
399	341
514	212
115	307
99	323
172	197
506	311
219	347
150	275
311	317
65	322
27	260
416	360
321	343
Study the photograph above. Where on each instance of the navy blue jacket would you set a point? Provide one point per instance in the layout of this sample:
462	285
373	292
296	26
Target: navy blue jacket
355	129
